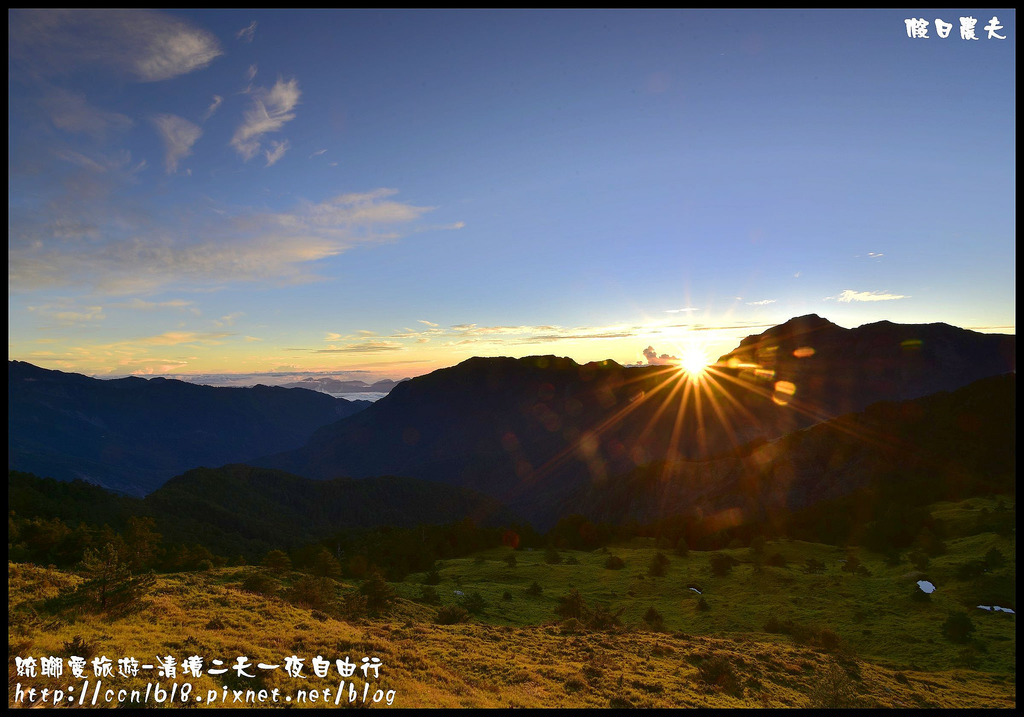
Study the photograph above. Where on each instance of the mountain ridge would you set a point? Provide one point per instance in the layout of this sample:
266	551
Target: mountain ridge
532	431
132	434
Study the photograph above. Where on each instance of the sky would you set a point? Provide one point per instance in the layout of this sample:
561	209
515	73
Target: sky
384	193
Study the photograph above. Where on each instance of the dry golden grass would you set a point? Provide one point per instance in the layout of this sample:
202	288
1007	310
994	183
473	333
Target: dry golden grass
465	665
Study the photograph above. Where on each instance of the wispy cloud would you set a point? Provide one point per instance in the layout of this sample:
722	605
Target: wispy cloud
681	311
71	112
139	253
365	347
762	302
137	304
247	33
178	135
849	296
270	111
317	153
428	323
276	151
65	313
214	105
144	45
175	338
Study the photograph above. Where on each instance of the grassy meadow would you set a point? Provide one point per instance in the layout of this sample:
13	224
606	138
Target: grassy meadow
767	632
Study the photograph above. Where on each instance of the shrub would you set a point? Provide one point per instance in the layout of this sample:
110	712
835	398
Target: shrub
451	614
658	566
551	557
277	561
776	560
958	627
814	567
510	560
970	570
80	647
994	559
718	672
721	564
260	583
534	589
428	595
475	603
654	619
614	562
919	559
682	549
854	565
378	593
432	577
833	689
571	605
604	619
312	592
702	604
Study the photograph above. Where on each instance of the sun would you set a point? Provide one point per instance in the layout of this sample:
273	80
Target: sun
694	361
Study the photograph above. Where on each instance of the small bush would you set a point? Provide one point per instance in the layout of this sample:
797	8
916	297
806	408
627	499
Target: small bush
614	562
574	684
659	565
718	673
534	589
971	570
654	619
855	566
833	689
721	564
571	605
475	603
80	647
702	604
551	557
604	619
776	560
919	559
682	549
994	559
958	627
260	583
277	561
451	615
428	595
312	592
379	594
814	567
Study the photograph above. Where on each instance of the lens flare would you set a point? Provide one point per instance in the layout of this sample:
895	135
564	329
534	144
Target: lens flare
694	361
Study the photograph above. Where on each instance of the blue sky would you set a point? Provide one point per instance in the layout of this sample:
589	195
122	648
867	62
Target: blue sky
389	192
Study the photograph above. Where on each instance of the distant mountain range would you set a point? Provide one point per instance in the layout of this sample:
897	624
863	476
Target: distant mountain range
534	432
787	419
132	434
333	385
